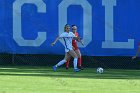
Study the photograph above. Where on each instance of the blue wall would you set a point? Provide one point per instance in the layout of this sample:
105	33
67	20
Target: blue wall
108	27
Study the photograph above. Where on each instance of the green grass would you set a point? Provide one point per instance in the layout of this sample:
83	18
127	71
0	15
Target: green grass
43	80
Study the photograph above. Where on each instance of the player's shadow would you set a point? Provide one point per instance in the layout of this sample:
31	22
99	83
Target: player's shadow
89	73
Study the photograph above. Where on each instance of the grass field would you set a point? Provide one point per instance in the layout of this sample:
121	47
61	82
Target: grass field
14	79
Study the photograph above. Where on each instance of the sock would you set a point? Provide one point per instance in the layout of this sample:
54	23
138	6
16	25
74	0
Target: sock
79	61
60	63
67	64
75	63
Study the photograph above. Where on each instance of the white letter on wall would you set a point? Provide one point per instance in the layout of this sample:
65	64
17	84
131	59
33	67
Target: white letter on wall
109	37
17	31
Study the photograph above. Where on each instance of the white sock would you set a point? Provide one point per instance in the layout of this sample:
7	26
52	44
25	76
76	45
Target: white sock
60	63
75	63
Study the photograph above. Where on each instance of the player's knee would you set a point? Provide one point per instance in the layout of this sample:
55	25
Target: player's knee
79	56
76	56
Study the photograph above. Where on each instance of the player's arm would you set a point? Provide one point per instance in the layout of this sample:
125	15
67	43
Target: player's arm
137	53
79	40
59	37
75	38
52	44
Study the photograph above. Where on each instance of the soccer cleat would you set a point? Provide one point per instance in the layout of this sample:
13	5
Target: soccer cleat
67	68
76	70
54	68
80	67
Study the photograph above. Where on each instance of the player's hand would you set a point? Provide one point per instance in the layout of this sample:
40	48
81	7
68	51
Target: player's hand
134	57
52	44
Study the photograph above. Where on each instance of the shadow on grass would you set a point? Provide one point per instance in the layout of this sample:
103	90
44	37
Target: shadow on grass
89	73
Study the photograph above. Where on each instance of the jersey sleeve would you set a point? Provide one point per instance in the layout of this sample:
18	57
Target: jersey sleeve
62	35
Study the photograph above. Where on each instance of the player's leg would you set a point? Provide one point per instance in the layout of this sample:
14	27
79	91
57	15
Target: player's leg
67	64
79	58
74	55
67	56
59	64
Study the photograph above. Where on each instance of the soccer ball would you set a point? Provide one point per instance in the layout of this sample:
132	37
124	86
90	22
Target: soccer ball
100	70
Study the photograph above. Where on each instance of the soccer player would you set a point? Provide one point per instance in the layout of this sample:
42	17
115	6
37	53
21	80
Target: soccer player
76	49
138	51
67	37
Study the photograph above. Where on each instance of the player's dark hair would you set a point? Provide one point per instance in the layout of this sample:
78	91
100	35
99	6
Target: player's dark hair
67	25
73	25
